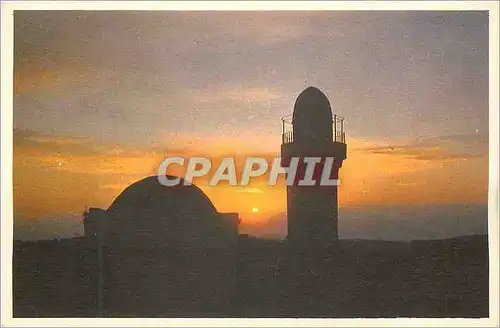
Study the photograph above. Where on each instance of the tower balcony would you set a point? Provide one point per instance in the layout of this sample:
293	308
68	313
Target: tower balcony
287	133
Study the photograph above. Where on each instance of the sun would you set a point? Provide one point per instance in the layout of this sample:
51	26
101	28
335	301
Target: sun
255	210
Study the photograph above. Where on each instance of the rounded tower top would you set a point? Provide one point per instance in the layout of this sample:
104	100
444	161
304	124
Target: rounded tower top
312	117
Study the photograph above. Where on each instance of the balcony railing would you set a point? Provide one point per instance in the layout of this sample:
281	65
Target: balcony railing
287	135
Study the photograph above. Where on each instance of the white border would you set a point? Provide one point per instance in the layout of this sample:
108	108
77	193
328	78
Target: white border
6	158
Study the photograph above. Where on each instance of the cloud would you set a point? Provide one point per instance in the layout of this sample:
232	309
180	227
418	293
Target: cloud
442	148
67	34
222	143
401	176
250	190
82	155
62	174
143	85
231	94
36	143
35	74
445	169
142	73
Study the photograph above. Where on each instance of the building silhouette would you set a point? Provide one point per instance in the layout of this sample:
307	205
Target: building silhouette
161	251
165	250
312	210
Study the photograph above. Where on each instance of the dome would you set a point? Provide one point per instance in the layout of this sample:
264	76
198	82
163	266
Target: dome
149	207
312	116
141	194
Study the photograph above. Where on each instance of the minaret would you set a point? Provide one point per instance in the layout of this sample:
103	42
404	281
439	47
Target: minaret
312	209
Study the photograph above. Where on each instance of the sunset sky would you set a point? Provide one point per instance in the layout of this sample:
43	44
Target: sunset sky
100	98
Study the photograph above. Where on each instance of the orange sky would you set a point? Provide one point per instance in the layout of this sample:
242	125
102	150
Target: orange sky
56	176
101	98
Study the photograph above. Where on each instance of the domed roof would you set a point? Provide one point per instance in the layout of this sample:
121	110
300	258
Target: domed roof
312	116
143	193
312	103
161	212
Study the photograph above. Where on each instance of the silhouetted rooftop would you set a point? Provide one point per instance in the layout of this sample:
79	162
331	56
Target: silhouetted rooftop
312	116
311	104
168	212
145	193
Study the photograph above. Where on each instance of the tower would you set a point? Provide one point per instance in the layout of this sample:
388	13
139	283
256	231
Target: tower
312	210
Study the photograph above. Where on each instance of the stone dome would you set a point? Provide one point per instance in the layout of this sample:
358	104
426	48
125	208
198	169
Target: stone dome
142	194
162	212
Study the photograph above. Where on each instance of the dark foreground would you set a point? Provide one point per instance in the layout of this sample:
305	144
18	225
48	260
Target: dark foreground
442	278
